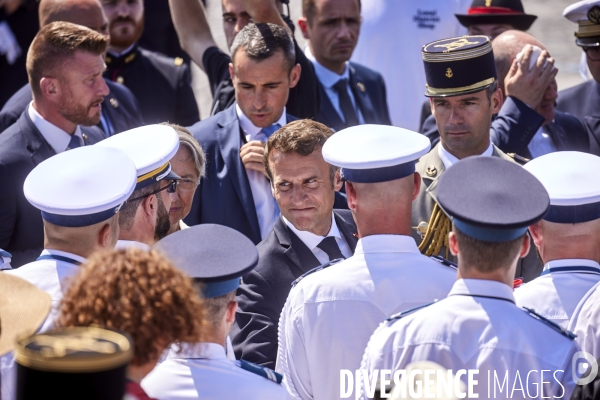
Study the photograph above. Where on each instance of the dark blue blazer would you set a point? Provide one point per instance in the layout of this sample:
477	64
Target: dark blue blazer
224	196
120	107
282	258
369	92
583	101
22	147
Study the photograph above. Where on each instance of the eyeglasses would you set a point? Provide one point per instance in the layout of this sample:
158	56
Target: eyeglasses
170	188
188	185
593	53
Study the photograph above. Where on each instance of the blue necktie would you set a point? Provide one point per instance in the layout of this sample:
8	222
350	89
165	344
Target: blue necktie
266	132
74	143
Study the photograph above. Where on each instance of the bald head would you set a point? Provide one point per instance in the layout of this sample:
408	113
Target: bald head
88	13
506	46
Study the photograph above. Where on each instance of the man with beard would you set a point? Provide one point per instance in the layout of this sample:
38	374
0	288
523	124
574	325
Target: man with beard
161	85
144	219
63	99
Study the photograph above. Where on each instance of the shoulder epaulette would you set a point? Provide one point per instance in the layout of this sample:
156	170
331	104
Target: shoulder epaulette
407	312
4	253
445	262
317	269
551	324
260	370
518	159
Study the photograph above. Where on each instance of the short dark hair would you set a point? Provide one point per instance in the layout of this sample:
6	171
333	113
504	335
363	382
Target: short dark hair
127	212
486	256
214	307
55	43
309	6
261	41
490	90
303	136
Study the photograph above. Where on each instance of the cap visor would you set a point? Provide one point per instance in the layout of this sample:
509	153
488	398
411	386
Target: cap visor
171	176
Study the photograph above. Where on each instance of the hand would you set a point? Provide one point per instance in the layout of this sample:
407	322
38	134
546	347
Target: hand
529	85
252	154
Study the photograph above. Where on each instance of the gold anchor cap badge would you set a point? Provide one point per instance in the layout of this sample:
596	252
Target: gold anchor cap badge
449	73
488	3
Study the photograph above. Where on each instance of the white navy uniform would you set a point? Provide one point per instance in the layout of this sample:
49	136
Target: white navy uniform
585	322
131	244
202	371
478	326
562	285
344	303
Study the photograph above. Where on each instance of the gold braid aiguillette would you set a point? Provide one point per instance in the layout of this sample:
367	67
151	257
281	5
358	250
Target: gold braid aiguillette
437	232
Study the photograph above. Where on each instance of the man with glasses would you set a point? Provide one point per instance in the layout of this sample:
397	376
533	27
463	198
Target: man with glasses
144	218
582	100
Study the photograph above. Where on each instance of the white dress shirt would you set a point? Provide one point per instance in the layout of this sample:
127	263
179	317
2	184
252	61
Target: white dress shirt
330	315
267	210
51	276
328	79
585	322
478	326
57	138
449	160
126	244
312	241
541	143
202	371
562	285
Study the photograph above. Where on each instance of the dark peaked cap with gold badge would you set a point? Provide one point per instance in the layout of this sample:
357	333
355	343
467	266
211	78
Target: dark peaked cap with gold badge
458	66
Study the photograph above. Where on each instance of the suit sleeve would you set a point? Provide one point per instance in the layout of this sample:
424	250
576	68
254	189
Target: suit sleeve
515	126
8	206
187	108
255	335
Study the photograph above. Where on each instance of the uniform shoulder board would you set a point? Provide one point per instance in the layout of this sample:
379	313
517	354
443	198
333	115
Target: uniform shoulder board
402	314
317	269
259	370
178	61
518	159
442	260
551	324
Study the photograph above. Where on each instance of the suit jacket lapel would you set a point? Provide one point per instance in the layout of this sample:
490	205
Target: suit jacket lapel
432	161
347	231
229	139
362	97
36	144
295	249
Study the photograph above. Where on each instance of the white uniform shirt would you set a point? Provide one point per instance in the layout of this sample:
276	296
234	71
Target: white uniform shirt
312	241
478	326
203	371
392	34
330	315
585	322
52	276
267	209
562	285
57	138
126	244
449	160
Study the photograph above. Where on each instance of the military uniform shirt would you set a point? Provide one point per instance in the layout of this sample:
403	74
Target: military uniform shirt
585	322
330	315
202	371
478	326
562	285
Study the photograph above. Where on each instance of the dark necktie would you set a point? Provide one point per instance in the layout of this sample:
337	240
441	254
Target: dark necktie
350	117
74	143
330	246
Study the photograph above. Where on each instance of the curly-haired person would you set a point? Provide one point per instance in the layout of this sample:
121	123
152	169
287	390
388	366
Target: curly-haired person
142	294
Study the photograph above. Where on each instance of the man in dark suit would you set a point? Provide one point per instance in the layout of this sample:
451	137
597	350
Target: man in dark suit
54	122
235	191
307	234
120	110
162	85
351	94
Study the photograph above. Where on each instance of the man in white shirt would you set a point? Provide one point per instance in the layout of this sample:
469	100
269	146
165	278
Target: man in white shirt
65	67
79	193
309	233
331	312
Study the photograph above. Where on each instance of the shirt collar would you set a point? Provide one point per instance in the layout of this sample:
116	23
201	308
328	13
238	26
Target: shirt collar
310	239
72	256
386	244
248	127
571	262
482	287
206	350
127	50
327	77
126	244
57	138
449	160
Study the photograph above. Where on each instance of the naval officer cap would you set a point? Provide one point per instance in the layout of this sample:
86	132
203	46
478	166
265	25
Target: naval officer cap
571	182
458	66
81	187
375	153
150	147
491	199
586	14
214	255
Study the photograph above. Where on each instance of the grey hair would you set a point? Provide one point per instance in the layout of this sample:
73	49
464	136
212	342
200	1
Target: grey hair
187	140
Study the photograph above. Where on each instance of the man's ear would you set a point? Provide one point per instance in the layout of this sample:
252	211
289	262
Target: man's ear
104	236
496	100
231	73
303	24
295	75
49	87
337	180
525	247
453	243
230	313
149	205
351	195
417	185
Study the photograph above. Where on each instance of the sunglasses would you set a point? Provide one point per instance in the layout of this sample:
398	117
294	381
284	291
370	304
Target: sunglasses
170	188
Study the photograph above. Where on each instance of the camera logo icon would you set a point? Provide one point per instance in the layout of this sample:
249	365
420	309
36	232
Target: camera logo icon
584	367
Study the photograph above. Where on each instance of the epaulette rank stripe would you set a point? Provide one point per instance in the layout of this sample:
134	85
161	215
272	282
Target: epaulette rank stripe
260	370
443	261
317	269
407	312
552	324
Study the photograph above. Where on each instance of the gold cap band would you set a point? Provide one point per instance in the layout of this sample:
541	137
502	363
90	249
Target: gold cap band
587	29
455	91
152	173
